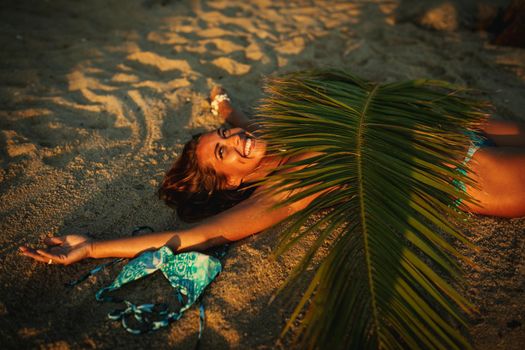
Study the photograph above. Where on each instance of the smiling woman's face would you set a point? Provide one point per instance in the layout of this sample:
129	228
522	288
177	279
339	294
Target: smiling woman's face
234	153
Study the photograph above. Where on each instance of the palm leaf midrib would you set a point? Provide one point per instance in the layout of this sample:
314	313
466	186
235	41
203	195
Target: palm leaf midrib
361	196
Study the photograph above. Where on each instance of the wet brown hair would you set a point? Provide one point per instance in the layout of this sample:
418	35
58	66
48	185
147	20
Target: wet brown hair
197	192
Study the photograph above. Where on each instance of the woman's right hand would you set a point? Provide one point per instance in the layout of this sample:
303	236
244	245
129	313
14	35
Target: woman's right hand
62	250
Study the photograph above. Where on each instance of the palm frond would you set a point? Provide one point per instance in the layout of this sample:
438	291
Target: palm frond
387	156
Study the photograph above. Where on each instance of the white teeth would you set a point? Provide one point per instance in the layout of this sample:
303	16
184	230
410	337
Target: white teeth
247	147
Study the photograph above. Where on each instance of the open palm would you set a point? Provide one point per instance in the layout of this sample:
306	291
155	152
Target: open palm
61	250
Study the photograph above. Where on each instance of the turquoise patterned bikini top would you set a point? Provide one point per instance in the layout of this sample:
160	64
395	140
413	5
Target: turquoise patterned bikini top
188	273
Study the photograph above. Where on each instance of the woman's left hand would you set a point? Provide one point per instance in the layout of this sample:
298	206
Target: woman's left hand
63	250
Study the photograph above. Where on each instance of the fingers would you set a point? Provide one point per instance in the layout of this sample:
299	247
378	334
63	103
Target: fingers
54	240
33	254
216	90
42	255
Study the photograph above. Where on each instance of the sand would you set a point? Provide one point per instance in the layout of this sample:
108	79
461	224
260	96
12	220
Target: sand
98	97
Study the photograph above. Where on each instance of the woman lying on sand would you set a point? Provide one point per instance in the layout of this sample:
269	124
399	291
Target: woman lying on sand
208	180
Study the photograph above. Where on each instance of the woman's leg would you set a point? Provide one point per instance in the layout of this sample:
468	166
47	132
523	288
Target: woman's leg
500	176
505	133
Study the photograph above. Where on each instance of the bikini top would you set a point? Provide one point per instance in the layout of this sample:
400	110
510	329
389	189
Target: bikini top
188	273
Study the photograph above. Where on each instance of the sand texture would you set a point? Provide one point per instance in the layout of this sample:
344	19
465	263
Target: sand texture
98	97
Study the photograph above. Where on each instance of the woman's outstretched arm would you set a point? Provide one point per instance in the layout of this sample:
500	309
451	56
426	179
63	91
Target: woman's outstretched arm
247	218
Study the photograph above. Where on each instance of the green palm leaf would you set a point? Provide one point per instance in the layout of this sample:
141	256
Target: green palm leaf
386	158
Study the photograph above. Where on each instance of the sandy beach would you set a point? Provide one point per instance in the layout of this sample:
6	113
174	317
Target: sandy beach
97	99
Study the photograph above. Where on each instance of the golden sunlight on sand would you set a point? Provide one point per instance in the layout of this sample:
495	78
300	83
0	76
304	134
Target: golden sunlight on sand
98	98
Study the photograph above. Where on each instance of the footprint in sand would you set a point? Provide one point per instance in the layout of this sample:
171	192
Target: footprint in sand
231	66
163	64
16	145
